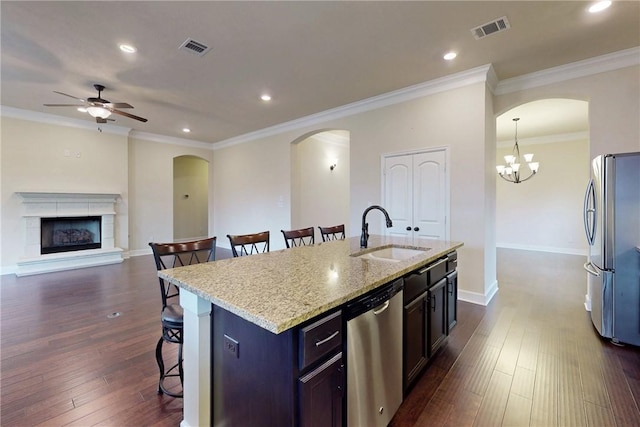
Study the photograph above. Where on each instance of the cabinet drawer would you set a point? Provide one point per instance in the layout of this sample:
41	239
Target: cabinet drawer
452	261
437	271
319	339
415	284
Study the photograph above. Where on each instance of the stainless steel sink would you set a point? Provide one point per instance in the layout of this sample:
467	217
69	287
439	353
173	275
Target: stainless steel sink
391	253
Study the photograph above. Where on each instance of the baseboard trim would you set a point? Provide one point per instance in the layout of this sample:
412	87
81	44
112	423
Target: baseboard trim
478	298
552	249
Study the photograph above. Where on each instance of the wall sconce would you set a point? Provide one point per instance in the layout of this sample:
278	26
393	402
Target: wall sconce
333	163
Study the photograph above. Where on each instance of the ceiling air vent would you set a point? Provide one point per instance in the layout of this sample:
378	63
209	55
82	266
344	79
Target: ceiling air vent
495	26
190	45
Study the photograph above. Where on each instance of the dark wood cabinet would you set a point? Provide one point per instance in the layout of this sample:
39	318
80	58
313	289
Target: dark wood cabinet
262	379
415	339
321	394
437	315
452	300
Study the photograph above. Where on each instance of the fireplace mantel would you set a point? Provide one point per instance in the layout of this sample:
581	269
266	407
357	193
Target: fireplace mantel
43	204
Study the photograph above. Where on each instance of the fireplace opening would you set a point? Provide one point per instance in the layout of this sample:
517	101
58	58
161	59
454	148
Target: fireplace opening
65	234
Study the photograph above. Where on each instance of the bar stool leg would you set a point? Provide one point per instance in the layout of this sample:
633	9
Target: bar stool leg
160	362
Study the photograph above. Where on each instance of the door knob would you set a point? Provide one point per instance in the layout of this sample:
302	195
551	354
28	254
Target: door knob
408	228
416	229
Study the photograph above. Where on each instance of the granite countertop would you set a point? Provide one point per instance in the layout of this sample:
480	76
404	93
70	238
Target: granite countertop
281	289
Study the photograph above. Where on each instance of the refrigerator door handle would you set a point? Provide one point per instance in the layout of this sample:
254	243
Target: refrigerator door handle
592	269
590	213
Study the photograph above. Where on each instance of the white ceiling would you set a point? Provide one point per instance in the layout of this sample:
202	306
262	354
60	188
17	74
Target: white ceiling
310	56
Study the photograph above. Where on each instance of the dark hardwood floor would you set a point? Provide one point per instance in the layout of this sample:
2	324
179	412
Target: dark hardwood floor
530	358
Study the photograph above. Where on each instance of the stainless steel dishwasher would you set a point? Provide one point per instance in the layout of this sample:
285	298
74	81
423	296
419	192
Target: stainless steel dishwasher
374	357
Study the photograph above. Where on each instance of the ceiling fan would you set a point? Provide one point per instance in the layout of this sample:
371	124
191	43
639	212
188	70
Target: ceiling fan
98	107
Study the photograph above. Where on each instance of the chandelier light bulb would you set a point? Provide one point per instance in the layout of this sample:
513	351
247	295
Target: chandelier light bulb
528	157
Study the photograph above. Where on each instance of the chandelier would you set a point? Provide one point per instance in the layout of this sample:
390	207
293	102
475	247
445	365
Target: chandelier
511	171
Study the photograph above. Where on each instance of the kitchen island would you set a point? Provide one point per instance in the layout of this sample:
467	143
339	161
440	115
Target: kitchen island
277	294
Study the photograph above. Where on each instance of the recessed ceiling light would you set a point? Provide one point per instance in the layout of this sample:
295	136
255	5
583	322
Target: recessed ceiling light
186	130
265	97
127	48
450	55
599	6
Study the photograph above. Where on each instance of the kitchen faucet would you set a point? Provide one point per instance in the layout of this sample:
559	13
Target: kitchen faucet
364	237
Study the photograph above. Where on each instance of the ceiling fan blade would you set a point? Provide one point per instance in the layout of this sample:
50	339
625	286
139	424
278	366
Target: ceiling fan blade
64	105
118	105
131	116
70	96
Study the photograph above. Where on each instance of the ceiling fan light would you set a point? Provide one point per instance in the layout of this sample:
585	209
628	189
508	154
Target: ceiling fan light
98	112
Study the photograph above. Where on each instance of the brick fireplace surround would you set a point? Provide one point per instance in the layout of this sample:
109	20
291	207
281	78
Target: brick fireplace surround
37	205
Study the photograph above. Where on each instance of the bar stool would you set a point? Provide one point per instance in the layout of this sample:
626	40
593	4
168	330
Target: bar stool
300	237
171	255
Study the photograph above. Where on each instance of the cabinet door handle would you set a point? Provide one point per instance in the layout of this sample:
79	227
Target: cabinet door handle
408	228
327	339
416	229
433	303
450	287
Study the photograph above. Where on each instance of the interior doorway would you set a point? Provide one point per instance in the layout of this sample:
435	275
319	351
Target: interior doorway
545	212
190	198
320	180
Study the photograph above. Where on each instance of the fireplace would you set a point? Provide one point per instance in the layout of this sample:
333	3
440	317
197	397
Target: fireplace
68	234
64	231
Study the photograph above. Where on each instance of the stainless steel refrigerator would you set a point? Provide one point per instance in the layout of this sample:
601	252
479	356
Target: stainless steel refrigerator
612	225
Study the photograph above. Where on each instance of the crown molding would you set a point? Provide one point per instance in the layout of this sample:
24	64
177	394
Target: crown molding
599	64
443	84
52	119
163	139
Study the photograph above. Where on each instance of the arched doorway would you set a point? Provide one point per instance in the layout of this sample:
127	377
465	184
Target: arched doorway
545	212
190	198
320	179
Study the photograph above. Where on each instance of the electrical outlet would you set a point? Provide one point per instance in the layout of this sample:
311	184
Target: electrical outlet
232	346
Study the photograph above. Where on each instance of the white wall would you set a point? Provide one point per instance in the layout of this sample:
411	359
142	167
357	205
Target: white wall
252	190
151	188
320	195
545	213
45	157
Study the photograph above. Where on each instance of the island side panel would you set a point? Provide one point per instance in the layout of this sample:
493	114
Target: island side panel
253	376
196	359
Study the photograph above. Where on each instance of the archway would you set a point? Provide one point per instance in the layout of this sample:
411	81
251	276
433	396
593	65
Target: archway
320	179
545	212
190	198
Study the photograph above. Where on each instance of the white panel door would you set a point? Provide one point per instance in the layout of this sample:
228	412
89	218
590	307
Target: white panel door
416	194
429	196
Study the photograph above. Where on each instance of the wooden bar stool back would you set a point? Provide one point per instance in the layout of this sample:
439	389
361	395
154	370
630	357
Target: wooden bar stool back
249	244
332	233
171	255
300	237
